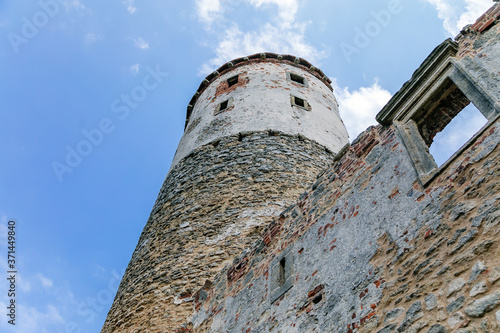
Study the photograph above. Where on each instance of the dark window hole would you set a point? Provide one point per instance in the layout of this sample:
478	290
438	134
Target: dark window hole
281	279
232	80
223	105
300	102
317	299
297	78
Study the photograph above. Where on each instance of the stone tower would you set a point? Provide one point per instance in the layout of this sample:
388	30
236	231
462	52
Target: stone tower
258	131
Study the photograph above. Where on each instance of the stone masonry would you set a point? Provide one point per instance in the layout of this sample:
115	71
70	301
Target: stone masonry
226	183
269	231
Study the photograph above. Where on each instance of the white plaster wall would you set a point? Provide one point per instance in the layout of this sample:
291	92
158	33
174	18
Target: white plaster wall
263	103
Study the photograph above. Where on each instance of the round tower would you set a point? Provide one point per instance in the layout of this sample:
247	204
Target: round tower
258	131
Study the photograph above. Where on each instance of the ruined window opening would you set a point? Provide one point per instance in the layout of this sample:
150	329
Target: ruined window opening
223	105
232	80
437	92
456	133
300	102
440	122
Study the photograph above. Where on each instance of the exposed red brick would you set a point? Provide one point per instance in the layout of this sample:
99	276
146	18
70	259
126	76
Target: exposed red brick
428	233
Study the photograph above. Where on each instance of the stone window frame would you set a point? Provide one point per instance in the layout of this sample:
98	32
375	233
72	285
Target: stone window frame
304	79
219	108
297	101
440	71
281	275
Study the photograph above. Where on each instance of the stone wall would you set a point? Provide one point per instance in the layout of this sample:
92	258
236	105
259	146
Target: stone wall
374	250
211	207
372	245
377	243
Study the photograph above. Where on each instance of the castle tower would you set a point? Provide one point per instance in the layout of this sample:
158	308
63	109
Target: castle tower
258	131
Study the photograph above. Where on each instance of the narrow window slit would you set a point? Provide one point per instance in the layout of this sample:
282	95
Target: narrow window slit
281	279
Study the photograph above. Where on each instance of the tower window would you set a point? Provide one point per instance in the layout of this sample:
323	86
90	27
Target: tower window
300	102
232	80
296	78
224	106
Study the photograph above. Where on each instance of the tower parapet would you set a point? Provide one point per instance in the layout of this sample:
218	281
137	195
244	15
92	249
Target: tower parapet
257	134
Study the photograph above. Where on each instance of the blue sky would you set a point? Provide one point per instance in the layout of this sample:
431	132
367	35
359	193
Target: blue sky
110	81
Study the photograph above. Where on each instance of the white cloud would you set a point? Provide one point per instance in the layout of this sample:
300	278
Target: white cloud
135	68
208	10
46	282
283	36
456	15
92	38
30	319
235	43
73	4
24	284
141	43
456	133
130	6
287	9
358	108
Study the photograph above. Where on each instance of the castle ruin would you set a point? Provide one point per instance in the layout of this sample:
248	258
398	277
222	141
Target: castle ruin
270	221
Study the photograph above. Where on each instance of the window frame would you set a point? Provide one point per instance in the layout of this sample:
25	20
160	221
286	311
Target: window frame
218	109
293	101
289	78
230	80
406	107
281	276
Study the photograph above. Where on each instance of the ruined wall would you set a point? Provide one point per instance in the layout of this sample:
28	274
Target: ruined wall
374	250
208	210
236	167
370	247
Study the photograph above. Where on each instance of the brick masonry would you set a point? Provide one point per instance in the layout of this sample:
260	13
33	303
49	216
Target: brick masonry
374	248
386	253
